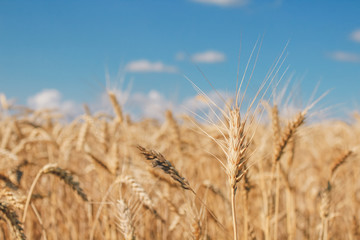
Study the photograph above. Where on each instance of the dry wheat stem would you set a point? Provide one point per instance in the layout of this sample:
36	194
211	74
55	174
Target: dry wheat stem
290	199
324	211
97	216
97	161
246	189
37	214
215	190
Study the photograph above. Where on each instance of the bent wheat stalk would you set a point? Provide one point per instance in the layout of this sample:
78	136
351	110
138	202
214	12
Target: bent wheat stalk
59	172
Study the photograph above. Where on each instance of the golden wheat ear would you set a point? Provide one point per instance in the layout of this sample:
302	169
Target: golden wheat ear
116	106
287	134
13	218
158	160
340	161
143	196
125	220
68	178
62	174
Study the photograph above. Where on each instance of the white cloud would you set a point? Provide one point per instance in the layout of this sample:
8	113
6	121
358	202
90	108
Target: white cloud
152	104
355	35
224	3
144	65
209	57
48	98
342	56
200	104
52	99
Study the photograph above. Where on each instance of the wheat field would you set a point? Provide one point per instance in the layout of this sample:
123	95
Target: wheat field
107	177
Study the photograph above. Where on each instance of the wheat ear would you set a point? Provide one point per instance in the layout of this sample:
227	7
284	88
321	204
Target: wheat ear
276	138
68	178
62	174
126	225
236	159
196	229
13	219
339	161
116	106
141	194
287	134
158	160
82	135
326	196
279	148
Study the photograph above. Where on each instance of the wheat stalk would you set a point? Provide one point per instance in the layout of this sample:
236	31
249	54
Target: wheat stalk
324	211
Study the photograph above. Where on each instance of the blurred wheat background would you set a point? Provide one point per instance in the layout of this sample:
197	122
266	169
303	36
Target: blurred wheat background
258	151
107	177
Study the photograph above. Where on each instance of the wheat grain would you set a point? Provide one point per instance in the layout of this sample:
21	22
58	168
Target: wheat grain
11	215
126	225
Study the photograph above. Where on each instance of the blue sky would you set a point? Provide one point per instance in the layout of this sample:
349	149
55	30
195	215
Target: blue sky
64	49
